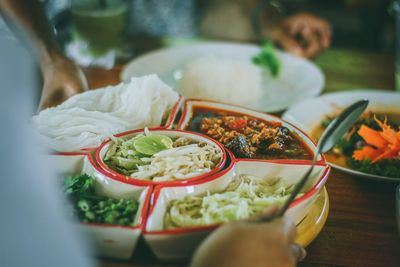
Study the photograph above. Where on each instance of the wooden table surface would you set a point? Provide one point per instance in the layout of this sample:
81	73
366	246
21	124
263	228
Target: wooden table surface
361	226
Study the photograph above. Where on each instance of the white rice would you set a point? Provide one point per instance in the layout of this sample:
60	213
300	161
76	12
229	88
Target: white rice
227	80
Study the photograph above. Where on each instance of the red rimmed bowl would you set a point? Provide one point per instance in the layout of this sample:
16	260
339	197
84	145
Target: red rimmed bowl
110	240
180	243
193	107
103	148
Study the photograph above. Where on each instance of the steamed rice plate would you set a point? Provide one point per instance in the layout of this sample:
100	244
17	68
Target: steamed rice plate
227	80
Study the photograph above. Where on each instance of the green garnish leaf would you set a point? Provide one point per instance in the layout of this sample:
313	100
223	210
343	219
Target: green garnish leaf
268	59
152	144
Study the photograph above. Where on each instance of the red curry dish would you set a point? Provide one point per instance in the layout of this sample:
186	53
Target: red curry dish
248	137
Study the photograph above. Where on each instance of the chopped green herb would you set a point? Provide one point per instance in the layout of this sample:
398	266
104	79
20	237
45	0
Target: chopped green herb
268	59
92	208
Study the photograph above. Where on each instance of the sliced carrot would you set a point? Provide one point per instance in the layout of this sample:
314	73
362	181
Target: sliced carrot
372	137
366	152
387	132
386	143
387	154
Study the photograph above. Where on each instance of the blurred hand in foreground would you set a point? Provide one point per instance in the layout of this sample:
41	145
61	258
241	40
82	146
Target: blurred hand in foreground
302	34
250	243
62	79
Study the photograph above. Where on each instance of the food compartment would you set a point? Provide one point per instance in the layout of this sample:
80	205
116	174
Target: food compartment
160	157
181	242
248	134
109	239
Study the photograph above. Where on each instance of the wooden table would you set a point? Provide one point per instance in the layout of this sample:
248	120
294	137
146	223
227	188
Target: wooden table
361	226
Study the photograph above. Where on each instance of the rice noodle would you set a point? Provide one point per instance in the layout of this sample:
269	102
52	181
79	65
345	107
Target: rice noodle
178	163
84	120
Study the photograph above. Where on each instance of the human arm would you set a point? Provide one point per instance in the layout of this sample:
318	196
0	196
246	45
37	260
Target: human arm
62	78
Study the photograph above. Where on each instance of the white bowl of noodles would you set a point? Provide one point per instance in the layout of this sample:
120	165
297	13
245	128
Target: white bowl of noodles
186	157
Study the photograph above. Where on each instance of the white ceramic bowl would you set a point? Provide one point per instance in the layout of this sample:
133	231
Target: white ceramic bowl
113	241
102	150
191	105
180	243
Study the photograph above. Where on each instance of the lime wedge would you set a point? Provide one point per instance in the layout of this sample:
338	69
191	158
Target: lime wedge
151	144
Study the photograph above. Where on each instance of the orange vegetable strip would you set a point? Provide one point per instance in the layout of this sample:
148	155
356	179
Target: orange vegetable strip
366	152
372	137
386	155
387	132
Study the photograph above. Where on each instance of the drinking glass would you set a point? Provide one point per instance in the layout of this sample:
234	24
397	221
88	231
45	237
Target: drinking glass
98	26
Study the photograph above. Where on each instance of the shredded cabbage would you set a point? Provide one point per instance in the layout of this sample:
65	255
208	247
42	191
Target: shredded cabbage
244	197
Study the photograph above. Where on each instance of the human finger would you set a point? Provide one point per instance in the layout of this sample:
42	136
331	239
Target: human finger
313	48
298	252
289	44
266	216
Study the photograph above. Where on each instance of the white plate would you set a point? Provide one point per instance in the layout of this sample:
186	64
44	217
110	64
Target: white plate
299	78
308	114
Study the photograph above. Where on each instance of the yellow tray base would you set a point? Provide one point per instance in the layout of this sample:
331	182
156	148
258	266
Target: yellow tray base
309	228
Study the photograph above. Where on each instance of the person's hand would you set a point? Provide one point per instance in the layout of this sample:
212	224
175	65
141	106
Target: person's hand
62	79
250	243
302	34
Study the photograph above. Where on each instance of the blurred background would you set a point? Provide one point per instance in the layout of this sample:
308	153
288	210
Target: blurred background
360	24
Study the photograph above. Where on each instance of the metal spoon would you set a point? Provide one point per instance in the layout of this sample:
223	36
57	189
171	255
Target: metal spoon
335	130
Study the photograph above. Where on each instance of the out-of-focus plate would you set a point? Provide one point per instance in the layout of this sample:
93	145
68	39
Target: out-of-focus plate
299	78
308	114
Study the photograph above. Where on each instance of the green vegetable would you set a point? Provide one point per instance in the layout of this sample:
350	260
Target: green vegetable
125	156
151	144
92	208
386	167
268	59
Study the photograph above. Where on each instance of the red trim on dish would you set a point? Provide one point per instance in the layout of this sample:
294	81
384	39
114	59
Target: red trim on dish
316	187
88	148
284	161
174	112
131	180
75	153
193	100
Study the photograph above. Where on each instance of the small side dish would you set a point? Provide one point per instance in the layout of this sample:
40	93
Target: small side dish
90	207
160	158
249	137
371	146
245	196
